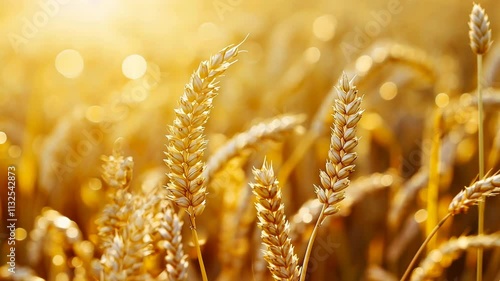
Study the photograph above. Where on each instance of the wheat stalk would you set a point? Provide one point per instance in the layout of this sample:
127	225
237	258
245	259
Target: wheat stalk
467	198
433	265
186	143
341	156
480	42
279	254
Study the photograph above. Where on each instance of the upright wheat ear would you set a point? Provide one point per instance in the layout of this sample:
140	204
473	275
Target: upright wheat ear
186	143
341	156
480	32
279	253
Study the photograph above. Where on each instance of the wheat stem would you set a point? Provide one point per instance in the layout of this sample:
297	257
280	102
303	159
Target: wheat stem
311	243
480	42
480	226
422	247
196	242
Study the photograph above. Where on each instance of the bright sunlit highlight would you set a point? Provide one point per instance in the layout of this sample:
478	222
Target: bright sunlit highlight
69	63
134	66
442	100
3	137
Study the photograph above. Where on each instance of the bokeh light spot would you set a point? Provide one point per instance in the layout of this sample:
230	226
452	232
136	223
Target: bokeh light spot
134	66
386	180
3	137
14	151
420	216
69	63
58	260
364	63
94	113
388	91
62	276
72	232
324	27
312	54
95	184
62	222
442	100
21	234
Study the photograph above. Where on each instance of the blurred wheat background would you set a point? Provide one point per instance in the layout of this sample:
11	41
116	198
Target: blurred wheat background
77	75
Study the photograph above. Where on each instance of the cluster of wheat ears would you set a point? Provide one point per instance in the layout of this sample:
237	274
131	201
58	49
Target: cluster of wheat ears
137	232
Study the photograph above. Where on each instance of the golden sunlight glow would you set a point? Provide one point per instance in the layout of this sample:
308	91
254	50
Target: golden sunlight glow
134	66
69	63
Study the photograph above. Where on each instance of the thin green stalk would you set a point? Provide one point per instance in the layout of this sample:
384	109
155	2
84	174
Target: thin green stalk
422	247
198	249
311	243
480	226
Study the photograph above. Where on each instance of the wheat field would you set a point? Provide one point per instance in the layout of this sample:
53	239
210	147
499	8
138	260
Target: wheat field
249	140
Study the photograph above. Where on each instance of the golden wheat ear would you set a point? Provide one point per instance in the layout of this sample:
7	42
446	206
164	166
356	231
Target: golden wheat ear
473	194
185	141
341	156
438	260
279	253
480	32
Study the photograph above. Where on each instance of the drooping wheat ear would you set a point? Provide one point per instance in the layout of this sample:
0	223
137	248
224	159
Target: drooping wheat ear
472	195
341	155
480	32
433	265
268	130
185	142
279	254
169	228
